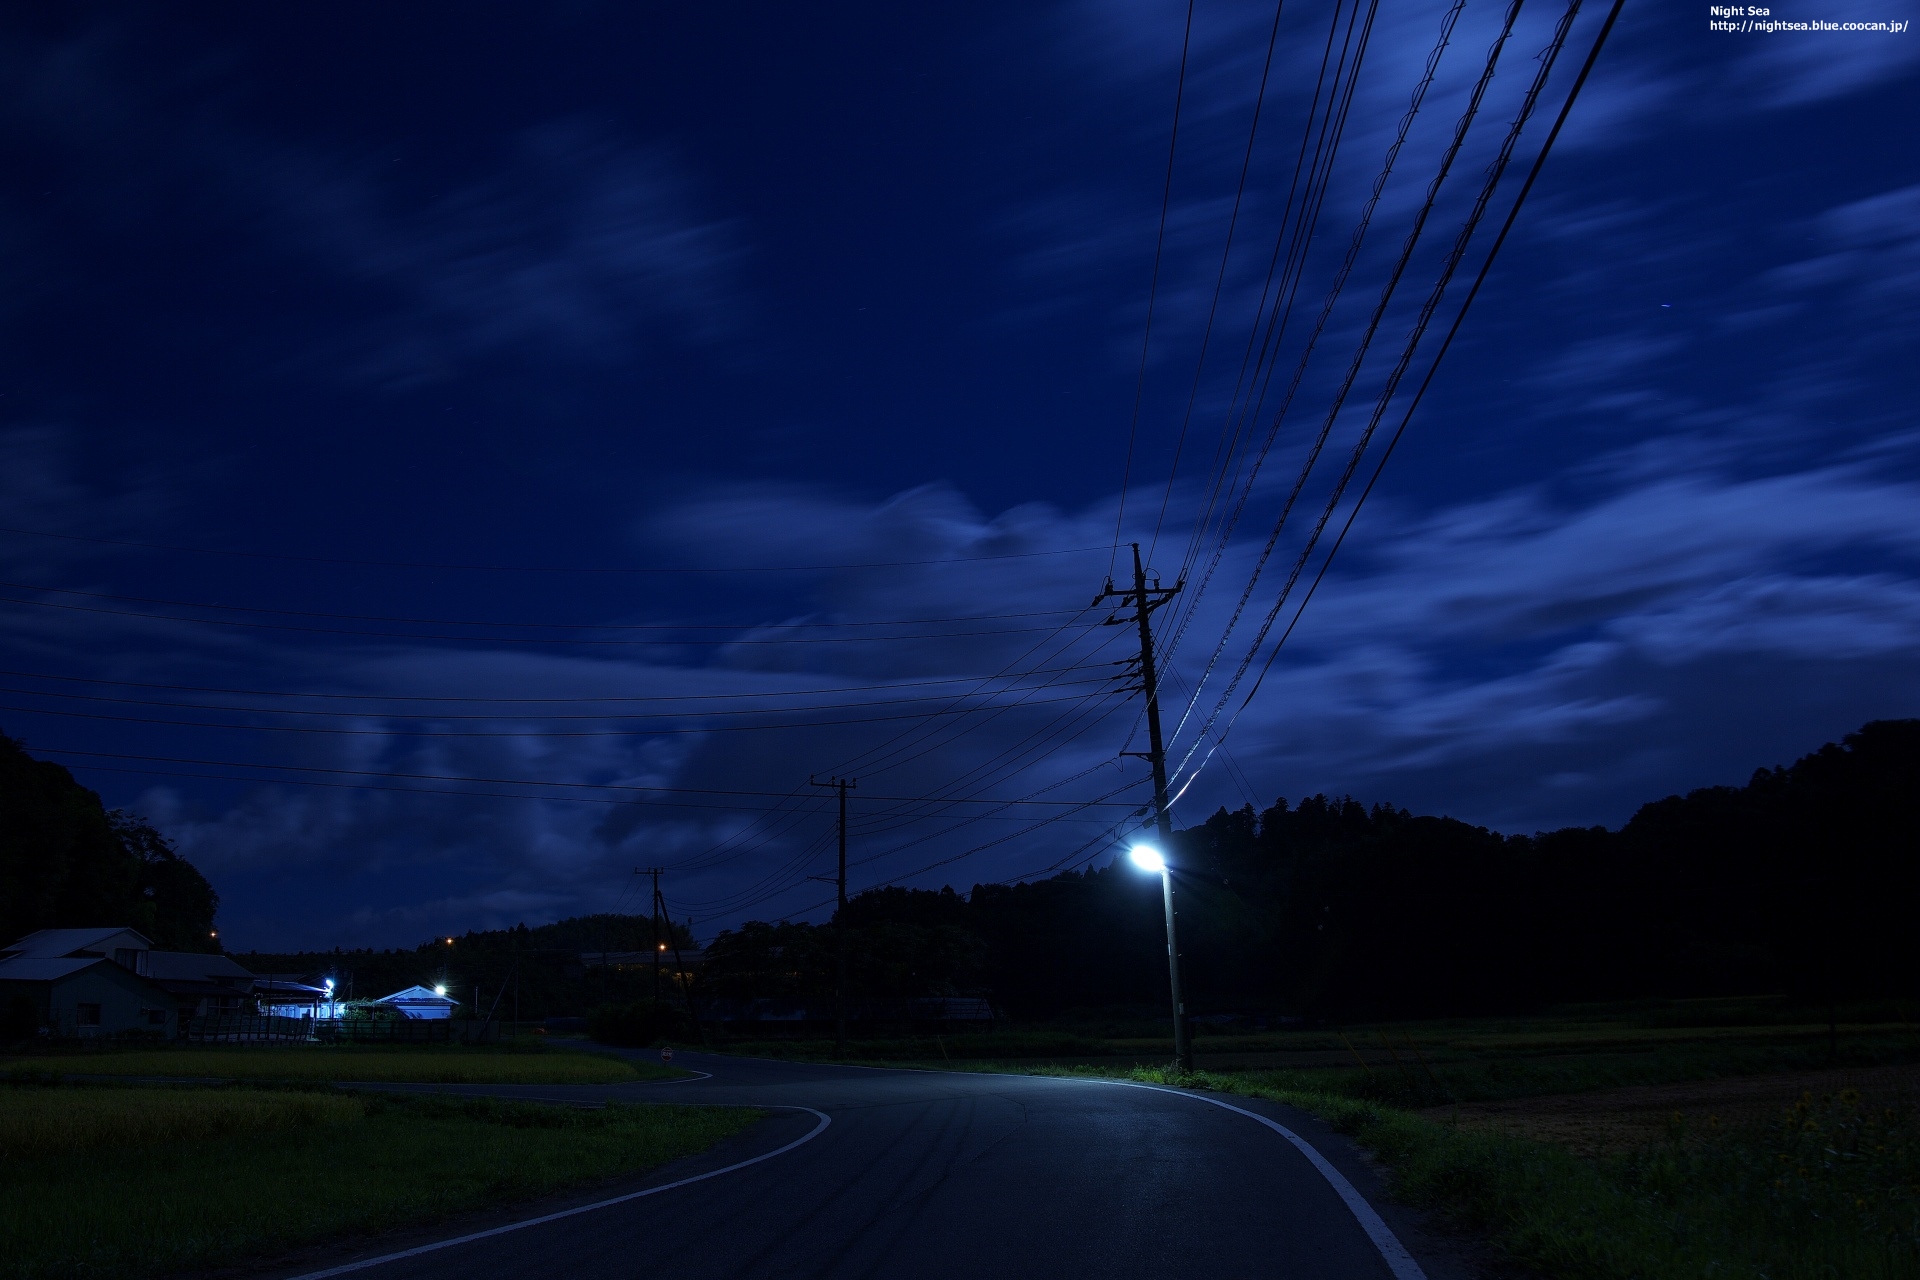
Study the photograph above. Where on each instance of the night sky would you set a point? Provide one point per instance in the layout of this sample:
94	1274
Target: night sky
530	402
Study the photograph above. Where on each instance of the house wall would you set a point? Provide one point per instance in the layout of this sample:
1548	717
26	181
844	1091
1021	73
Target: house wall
125	1004
35	992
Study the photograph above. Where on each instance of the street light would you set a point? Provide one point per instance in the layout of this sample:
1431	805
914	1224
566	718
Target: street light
1150	859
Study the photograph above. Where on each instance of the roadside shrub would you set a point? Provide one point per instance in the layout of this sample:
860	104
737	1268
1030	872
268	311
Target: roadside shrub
639	1024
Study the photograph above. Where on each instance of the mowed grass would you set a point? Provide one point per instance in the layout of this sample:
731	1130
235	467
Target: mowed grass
131	1181
456	1064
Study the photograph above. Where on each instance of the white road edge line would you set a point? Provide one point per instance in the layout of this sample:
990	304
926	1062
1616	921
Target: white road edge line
1395	1254
697	1075
384	1258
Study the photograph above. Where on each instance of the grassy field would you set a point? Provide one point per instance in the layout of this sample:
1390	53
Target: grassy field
1737	1139
1827	1187
1419	1064
132	1181
450	1064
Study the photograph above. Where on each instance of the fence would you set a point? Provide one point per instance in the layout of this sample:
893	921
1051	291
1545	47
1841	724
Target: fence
238	1028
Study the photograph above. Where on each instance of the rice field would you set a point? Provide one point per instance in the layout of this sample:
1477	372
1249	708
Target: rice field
132	1182
36	1123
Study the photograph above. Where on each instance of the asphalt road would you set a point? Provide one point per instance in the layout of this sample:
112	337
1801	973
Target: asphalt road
942	1174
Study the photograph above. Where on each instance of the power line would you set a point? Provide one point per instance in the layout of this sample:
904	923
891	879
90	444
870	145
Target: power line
1153	284
1392	384
552	626
513	782
1354	243
1494	173
1298	225
486	698
440	716
511	568
1539	162
1372	328
688	642
1219	286
526	733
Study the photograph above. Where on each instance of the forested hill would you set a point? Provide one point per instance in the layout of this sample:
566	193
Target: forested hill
1802	881
66	862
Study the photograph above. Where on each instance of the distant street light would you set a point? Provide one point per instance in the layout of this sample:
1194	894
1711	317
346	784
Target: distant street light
1151	860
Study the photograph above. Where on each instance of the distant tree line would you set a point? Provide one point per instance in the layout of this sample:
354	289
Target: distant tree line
1803	881
67	861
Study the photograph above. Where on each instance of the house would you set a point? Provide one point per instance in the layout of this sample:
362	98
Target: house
203	984
106	981
286	998
421	1002
86	993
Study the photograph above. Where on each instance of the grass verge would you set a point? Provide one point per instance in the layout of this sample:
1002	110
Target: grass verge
224	1174
324	1063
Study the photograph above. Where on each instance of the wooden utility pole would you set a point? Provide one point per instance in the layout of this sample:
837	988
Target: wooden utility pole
658	910
1143	600
842	785
653	932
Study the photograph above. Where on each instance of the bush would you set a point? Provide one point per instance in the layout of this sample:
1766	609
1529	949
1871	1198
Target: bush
639	1024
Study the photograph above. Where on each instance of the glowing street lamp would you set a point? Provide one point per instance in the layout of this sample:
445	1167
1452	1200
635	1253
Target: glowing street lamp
1150	859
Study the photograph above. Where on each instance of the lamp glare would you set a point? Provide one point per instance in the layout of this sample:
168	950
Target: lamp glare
1147	858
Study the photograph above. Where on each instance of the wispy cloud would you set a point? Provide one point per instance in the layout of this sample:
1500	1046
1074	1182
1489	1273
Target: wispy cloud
577	248
565	243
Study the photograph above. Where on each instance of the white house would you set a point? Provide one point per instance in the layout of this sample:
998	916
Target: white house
421	1002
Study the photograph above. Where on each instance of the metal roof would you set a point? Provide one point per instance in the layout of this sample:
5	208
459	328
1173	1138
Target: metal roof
417	995
192	966
45	968
50	944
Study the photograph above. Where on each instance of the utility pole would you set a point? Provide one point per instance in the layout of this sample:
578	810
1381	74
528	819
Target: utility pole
653	932
842	785
658	910
1143	600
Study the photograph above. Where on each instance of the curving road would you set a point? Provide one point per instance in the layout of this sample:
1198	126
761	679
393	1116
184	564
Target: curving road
876	1173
